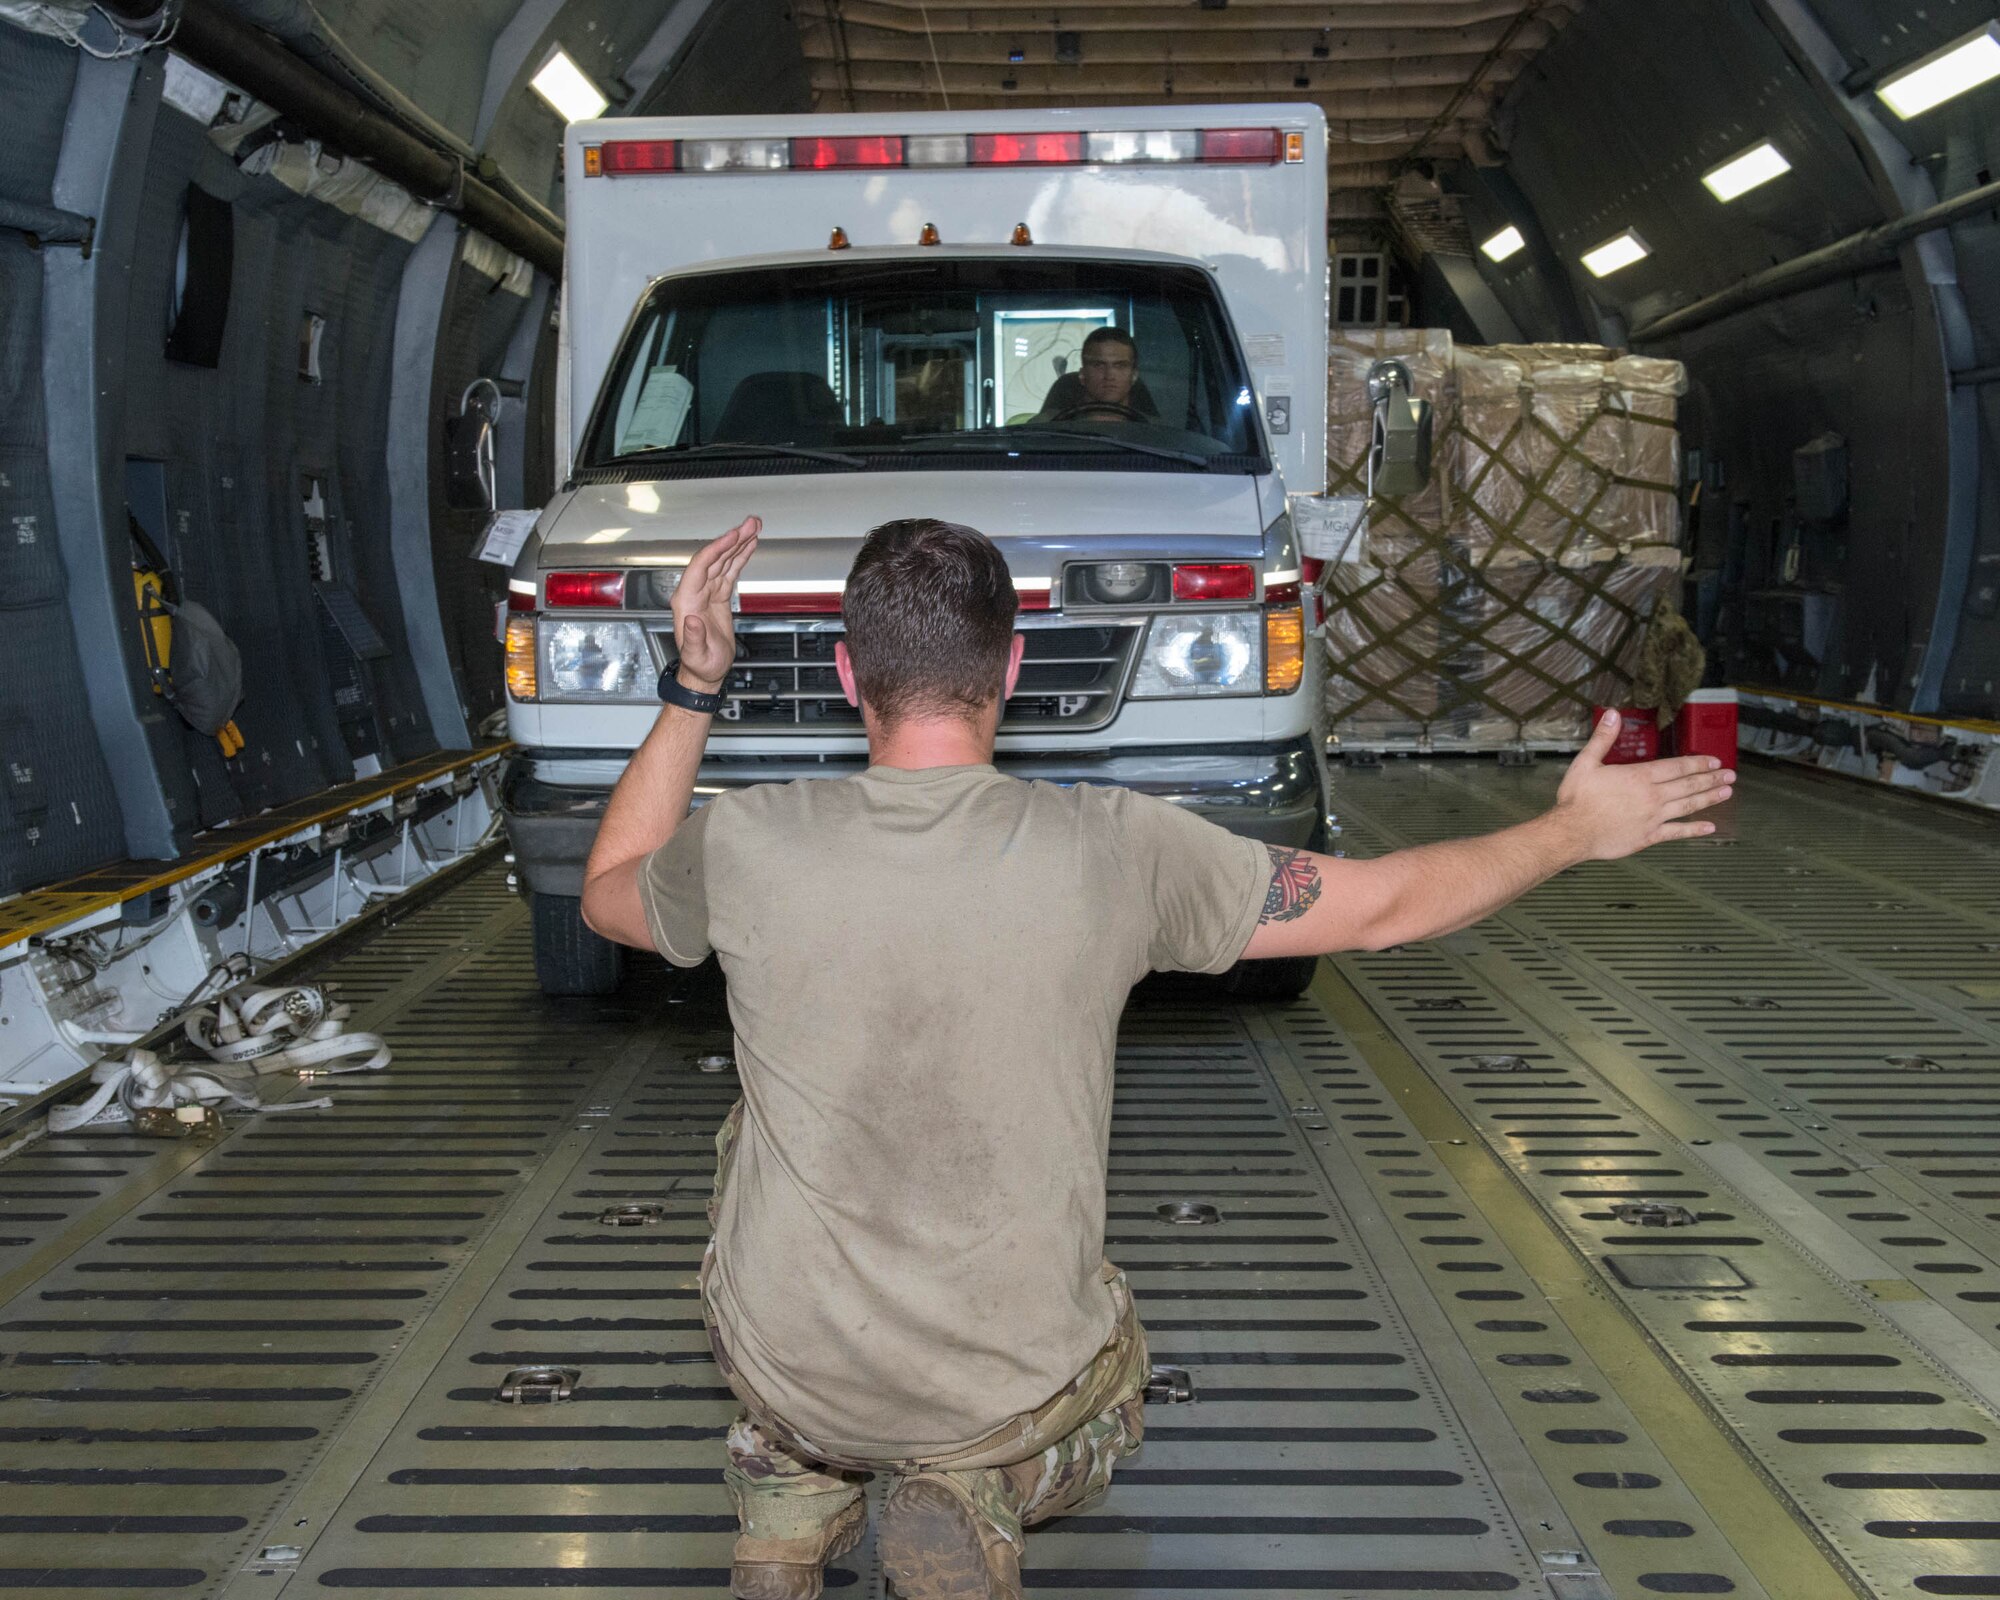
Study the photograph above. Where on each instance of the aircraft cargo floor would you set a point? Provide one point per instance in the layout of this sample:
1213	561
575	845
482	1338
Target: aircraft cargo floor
1638	1241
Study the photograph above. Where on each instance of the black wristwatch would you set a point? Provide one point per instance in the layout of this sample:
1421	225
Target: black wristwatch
676	693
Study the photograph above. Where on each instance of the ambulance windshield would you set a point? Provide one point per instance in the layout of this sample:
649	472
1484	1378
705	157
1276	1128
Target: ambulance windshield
1047	363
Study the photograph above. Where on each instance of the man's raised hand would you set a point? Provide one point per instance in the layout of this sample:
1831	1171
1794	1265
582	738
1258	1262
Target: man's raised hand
1618	811
704	628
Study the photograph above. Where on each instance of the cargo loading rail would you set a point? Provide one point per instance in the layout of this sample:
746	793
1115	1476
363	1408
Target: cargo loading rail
96	962
1535	1261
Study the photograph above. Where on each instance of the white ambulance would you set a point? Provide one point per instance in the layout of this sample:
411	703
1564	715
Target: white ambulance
836	321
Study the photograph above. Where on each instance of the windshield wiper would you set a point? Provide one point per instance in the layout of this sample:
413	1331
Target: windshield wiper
1164	452
683	452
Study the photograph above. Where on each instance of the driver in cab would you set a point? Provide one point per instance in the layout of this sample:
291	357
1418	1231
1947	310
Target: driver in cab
1106	388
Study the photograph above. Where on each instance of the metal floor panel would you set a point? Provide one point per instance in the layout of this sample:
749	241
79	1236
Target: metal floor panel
1708	1027
1417	1369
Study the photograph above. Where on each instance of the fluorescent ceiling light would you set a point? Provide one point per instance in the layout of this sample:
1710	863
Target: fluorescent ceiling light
1962	65
1613	254
562	83
1505	243
1740	174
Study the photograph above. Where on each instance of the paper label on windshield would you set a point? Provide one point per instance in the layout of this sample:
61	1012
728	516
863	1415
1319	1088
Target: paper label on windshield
1264	349
661	409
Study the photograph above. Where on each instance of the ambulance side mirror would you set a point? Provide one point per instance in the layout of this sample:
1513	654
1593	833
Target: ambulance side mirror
469	483
1399	456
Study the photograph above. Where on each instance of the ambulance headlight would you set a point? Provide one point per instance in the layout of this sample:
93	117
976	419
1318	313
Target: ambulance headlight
595	659
1202	653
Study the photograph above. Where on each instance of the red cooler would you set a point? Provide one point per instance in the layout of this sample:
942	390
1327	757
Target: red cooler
1638	734
1706	726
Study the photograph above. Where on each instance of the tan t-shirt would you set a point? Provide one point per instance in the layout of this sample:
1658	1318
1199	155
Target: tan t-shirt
926	970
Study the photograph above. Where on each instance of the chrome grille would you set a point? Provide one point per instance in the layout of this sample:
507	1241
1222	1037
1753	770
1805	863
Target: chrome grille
1072	676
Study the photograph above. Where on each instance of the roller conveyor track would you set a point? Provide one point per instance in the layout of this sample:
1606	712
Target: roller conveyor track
1423	1358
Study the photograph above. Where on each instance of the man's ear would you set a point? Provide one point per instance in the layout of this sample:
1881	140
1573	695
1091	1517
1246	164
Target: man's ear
843	664
1013	664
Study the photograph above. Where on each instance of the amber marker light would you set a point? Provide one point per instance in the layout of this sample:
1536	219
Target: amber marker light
593	161
521	657
929	234
1284	639
838	241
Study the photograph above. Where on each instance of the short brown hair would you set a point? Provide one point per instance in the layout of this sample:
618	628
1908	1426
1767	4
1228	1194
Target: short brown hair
1109	335
930	611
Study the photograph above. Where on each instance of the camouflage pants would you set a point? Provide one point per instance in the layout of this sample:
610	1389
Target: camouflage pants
1061	1454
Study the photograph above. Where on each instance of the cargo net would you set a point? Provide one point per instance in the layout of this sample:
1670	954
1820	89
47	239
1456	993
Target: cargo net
1497	606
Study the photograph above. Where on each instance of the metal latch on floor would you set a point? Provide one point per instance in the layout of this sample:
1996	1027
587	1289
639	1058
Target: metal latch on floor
1187	1213
716	1063
540	1385
1169	1386
643	1215
1653	1214
1501	1064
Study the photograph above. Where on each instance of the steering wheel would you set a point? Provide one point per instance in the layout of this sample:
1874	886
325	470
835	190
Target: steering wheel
1116	408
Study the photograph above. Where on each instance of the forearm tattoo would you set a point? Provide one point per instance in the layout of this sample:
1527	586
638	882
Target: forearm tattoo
1295	885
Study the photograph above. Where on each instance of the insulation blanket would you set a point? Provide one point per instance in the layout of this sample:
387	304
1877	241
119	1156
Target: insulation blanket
1513	593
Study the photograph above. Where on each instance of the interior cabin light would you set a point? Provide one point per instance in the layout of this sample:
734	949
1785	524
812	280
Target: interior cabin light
1616	254
1507	242
1740	174
1944	74
567	90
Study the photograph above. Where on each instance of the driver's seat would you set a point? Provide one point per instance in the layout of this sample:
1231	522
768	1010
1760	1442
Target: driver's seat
1067	391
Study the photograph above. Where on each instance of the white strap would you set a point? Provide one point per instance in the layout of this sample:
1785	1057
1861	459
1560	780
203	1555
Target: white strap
245	1034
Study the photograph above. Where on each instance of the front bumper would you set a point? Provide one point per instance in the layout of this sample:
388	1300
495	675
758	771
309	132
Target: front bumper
1273	793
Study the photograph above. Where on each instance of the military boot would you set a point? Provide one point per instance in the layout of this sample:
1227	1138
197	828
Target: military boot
794	1569
936	1543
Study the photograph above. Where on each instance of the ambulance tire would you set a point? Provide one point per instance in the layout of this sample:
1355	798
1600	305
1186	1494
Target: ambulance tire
569	957
1280	978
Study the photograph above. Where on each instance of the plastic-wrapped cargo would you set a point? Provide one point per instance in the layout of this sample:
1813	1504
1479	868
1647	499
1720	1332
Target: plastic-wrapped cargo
1564	449
1515	593
1548	641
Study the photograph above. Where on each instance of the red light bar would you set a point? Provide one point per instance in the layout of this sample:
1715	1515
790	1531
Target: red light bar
619	157
1230	582
561	590
517	601
1032	599
827	155
1282	594
800	603
1240	144
1026	149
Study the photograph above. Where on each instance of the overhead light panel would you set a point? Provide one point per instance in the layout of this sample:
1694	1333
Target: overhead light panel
1740	174
1616	254
1507	242
571	95
1943	74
